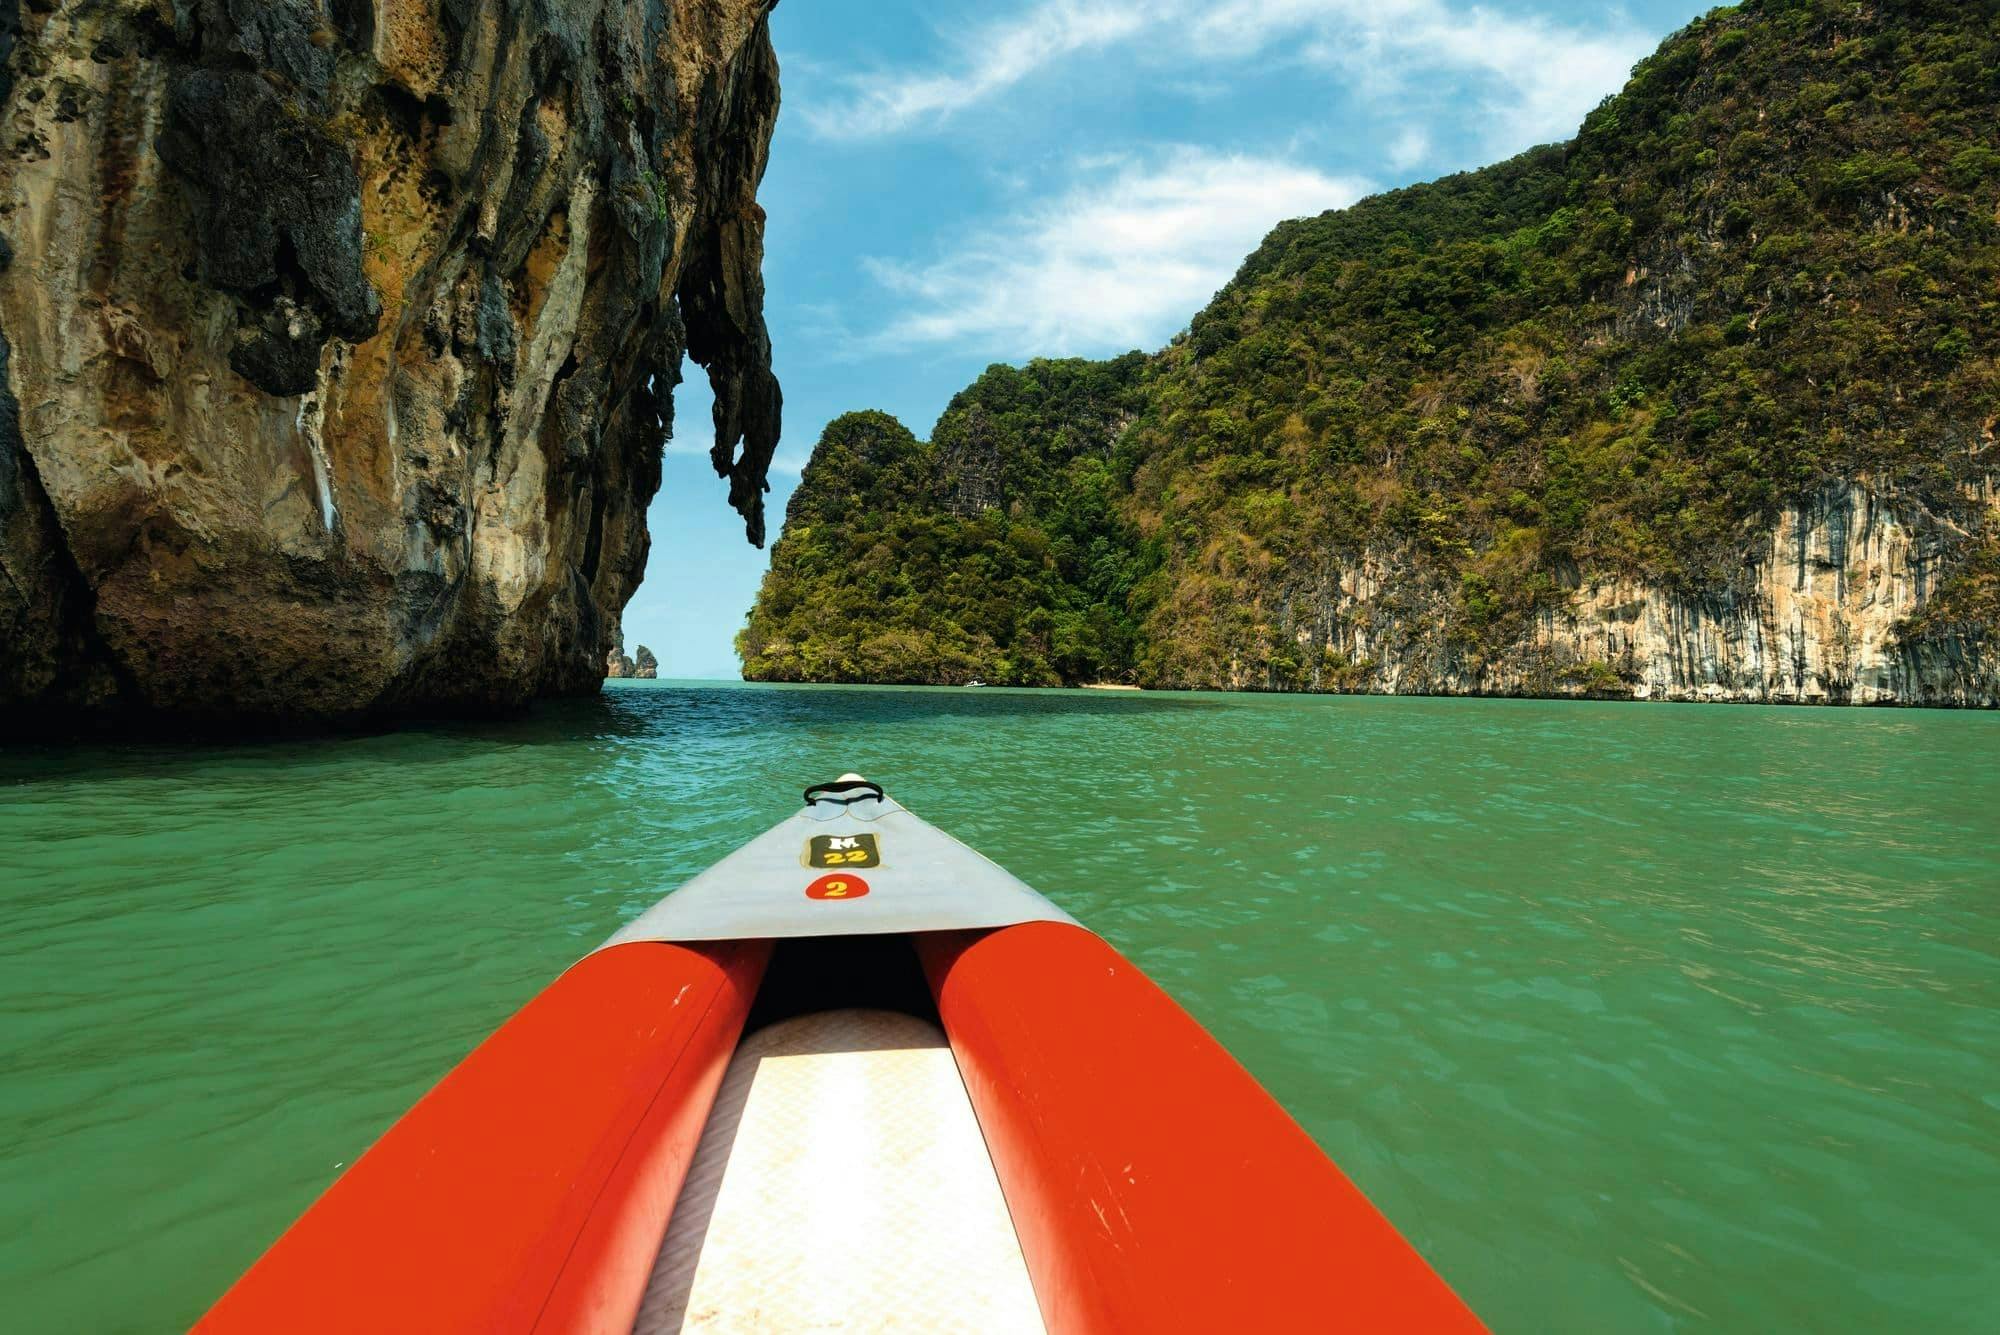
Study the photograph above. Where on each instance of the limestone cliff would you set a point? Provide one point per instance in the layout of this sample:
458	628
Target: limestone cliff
1820	614
338	338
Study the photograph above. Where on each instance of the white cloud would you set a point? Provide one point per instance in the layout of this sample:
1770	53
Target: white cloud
1531	78
691	442
991	59
694	414
1115	262
1409	148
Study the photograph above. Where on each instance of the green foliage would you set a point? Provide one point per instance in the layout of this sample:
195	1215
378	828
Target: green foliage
996	550
1964	611
1772	260
652	195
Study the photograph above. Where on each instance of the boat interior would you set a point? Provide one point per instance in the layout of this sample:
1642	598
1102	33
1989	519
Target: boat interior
841	1181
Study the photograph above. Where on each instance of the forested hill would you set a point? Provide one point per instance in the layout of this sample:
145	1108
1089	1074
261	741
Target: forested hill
1700	404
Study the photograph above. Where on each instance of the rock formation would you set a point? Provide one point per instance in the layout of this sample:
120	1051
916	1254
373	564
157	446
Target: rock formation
619	665
338	338
1818	616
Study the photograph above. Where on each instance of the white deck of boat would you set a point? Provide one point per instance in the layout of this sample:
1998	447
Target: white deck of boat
841	1184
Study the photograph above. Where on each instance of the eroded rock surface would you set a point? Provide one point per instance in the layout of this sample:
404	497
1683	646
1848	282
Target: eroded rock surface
1820	614
337	340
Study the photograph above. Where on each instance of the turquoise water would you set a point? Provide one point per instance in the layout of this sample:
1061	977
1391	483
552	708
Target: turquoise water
1633	1018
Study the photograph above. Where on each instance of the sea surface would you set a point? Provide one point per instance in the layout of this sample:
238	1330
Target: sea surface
1632	1018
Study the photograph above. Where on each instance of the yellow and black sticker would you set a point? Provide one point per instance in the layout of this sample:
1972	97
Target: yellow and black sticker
843	850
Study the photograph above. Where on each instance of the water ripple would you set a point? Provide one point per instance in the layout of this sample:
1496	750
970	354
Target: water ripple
1632	1018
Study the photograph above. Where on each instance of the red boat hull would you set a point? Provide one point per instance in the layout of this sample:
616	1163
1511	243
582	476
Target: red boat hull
1153	1184
530	1189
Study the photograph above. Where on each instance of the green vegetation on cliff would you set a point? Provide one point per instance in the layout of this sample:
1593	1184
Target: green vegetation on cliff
1771	262
997	549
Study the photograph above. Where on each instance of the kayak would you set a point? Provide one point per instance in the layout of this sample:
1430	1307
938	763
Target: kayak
853	1076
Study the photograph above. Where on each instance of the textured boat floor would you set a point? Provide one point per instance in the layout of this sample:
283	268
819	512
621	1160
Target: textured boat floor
841	1184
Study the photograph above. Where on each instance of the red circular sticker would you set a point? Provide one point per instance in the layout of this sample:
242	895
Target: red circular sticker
841	885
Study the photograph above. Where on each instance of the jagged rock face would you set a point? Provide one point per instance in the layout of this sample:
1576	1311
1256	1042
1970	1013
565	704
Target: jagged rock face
644	666
338	337
974	473
1819	615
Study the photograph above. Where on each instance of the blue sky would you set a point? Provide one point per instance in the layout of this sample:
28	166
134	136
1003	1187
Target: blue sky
961	182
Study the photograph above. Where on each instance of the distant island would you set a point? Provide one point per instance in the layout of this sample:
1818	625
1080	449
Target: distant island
1698	406
641	667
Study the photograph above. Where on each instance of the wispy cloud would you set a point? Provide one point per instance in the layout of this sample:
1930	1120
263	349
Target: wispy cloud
1116	261
990	59
1409	148
683	441
1533	78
